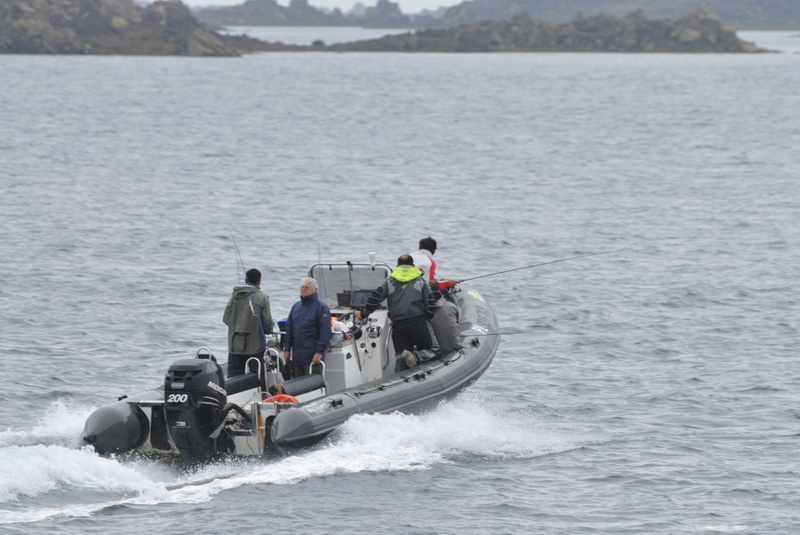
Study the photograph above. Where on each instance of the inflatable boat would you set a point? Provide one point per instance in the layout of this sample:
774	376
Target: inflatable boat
199	414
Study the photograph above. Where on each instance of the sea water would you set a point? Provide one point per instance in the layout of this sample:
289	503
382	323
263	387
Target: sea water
653	389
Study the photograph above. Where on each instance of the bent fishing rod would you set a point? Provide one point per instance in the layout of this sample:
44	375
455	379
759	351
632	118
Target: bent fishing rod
244	270
541	264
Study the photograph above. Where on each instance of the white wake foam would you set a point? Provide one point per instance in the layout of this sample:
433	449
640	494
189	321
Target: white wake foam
393	442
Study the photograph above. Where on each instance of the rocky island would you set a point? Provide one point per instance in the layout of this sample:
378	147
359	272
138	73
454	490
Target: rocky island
700	31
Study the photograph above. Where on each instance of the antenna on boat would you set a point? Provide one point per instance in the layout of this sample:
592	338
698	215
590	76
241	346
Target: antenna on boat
321	277
542	264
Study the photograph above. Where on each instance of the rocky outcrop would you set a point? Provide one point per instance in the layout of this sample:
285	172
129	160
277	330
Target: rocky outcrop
268	13
385	14
105	27
700	31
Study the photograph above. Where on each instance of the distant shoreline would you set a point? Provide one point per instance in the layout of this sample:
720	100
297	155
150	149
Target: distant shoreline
167	28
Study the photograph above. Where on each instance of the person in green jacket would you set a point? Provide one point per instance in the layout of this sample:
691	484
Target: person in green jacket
411	304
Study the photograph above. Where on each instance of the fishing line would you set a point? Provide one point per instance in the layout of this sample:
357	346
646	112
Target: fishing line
542	264
492	334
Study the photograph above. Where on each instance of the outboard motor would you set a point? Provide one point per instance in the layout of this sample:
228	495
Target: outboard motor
195	405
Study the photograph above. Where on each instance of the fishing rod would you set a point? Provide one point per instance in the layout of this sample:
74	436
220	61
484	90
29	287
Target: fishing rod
241	262
541	264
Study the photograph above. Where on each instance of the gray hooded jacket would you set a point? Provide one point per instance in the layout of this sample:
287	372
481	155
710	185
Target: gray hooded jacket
249	319
446	326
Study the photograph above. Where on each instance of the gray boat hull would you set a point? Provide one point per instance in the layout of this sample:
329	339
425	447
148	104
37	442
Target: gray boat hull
410	390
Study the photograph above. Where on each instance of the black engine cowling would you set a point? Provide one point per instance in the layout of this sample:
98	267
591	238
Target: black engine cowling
194	402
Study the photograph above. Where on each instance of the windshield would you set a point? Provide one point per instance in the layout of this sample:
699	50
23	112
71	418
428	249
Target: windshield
347	278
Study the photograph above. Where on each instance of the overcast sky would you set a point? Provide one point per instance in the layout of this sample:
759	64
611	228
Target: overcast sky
406	6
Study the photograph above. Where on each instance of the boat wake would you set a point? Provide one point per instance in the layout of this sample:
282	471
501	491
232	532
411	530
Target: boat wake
46	461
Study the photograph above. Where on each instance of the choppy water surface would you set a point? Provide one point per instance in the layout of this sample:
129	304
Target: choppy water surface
652	390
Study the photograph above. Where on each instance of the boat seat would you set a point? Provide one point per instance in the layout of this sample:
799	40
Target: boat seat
240	383
303	384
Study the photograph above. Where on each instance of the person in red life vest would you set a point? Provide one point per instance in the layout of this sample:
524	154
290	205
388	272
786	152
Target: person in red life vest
423	259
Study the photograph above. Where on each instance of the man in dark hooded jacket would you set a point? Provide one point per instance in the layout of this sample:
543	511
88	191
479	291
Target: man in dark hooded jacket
249	320
411	304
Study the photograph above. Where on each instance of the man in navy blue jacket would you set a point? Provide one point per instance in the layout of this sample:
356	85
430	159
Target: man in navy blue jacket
308	329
